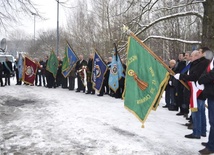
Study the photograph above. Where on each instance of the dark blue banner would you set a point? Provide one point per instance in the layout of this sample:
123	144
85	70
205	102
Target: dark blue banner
99	70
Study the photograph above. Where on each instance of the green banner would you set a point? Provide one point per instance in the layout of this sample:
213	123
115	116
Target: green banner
52	64
146	79
65	64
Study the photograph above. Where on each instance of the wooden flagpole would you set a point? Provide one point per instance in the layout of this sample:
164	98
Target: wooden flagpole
153	54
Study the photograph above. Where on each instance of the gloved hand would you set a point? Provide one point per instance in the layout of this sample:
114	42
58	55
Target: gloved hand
177	76
170	83
200	86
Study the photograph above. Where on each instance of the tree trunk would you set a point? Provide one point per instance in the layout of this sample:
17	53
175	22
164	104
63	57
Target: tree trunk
208	24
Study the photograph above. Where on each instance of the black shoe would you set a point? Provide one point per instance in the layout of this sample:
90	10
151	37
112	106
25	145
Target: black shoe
100	95
77	90
204	144
93	93
180	114
204	135
192	136
185	115
165	106
190	127
87	93
205	151
188	124
173	109
188	118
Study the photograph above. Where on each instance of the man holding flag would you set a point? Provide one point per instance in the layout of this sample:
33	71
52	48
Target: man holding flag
207	79
7	68
80	69
69	60
20	68
98	72
51	68
116	71
89	75
29	72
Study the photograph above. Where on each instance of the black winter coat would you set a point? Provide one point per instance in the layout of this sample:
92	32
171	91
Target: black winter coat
196	70
207	78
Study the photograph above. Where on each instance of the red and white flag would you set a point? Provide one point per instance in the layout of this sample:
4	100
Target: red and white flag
30	69
197	89
194	93
210	67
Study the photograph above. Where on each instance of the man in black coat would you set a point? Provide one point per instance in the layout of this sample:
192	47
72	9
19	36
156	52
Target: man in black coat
120	89
181	64
89	74
1	70
7	68
207	79
105	87
80	65
42	73
170	89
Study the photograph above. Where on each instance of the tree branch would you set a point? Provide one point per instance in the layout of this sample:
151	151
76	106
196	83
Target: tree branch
172	39
182	14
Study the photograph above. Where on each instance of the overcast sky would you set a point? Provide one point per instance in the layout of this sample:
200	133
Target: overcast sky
48	9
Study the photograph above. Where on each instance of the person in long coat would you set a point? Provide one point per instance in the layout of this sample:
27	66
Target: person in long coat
7	68
80	66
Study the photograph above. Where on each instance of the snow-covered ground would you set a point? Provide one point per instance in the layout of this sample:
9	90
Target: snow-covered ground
41	121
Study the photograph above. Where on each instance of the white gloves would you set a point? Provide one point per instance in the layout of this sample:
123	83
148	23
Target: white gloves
177	76
170	83
199	86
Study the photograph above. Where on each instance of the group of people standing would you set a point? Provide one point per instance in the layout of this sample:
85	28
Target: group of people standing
87	66
6	69
82	71
194	68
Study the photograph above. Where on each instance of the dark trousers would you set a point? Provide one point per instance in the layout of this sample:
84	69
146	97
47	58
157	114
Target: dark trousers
90	88
210	144
170	96
106	86
50	80
64	82
71	83
7	79
179	95
120	90
185	104
80	84
41	78
102	90
1	81
18	81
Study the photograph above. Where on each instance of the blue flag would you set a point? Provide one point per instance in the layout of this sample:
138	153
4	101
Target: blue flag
70	59
98	72
20	65
116	72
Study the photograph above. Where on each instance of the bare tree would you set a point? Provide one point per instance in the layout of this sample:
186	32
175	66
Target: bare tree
208	24
168	27
15	10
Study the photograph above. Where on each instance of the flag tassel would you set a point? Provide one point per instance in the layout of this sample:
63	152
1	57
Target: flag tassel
142	85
